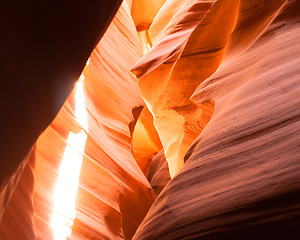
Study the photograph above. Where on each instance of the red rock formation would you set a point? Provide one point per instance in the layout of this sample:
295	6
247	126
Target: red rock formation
241	177
44	48
217	87
159	174
19	212
113	193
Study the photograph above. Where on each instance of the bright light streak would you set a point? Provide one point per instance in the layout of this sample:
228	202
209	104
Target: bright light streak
68	178
80	110
148	47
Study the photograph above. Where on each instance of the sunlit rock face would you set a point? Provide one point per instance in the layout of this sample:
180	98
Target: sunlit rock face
113	193
183	124
241	176
38	71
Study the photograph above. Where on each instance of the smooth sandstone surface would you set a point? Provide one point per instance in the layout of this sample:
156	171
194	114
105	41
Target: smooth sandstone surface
241	176
190	126
113	193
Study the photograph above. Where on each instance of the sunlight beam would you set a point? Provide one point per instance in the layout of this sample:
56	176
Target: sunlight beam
68	178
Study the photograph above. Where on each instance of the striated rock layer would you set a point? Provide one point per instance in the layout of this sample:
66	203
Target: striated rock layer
195	103
241	177
43	50
113	193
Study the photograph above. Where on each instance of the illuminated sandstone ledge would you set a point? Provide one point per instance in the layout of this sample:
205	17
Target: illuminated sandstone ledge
184	124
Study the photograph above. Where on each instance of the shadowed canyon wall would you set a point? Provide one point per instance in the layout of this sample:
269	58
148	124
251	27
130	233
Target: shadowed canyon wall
44	48
184	122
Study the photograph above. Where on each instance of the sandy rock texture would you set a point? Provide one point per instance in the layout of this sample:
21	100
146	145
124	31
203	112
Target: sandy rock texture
165	119
113	193
241	176
44	48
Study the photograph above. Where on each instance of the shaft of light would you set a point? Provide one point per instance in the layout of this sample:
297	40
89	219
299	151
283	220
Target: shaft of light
68	178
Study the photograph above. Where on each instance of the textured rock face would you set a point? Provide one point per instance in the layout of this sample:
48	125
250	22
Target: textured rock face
38	71
188	126
241	176
113	193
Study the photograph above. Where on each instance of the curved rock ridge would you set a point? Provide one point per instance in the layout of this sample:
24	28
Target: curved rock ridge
190	48
159	174
44	47
113	193
172	70
241	178
145	141
184	122
19	211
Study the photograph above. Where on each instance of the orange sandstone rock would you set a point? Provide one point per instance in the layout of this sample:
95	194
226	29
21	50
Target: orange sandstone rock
210	125
240	179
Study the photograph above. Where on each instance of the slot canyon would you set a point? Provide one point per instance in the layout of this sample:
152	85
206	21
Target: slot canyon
150	120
